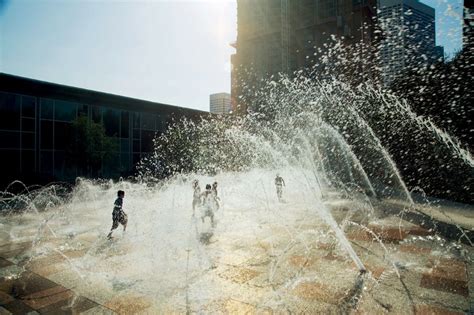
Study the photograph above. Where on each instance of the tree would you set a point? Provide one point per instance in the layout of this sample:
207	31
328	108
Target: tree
90	146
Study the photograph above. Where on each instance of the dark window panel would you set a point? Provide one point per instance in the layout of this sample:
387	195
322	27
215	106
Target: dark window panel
112	122
148	121
62	135
96	114
10	111
9	140
27	162
125	125
28	124
147	140
12	159
160	123
28	105
65	111
136	120
47	108
136	145
112	168
59	164
46	135
46	162
82	110
125	145
136	133
27	140
125	162
136	159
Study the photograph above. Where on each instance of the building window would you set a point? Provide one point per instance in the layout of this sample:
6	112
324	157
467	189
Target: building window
136	145
112	122
12	159
28	124
27	161
59	164
82	110
28	140
46	162
136	133
62	135
9	140
125	162
65	111
46	132
124	145
125	125
96	114
147	140
47	109
10	109
148	121
136	120
136	159
28	105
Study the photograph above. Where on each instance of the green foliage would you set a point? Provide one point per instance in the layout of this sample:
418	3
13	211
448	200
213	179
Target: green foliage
208	146
90	146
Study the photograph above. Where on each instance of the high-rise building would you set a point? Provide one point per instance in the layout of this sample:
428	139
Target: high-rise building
408	40
468	26
283	36
219	103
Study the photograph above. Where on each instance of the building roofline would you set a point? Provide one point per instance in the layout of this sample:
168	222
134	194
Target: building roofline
27	86
416	4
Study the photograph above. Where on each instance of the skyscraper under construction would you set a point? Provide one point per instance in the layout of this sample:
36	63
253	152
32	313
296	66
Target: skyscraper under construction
282	36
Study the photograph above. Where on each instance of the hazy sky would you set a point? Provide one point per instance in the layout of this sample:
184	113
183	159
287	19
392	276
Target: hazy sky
168	51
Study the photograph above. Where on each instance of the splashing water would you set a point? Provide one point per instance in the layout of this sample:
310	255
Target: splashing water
318	136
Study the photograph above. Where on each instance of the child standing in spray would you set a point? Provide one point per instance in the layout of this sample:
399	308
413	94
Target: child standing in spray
208	204
196	195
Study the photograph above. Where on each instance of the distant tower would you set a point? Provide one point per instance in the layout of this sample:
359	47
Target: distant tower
408	40
468	26
219	103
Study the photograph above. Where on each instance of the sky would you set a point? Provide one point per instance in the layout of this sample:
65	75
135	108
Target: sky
169	51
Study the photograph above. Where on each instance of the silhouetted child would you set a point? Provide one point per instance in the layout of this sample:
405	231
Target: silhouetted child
118	215
196	194
216	197
279	183
208	203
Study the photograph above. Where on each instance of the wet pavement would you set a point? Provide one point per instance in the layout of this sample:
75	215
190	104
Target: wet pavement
295	268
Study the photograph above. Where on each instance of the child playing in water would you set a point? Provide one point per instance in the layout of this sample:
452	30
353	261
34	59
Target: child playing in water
118	215
207	202
216	197
196	194
279	183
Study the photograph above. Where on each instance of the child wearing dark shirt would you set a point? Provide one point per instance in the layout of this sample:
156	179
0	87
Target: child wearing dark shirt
118	215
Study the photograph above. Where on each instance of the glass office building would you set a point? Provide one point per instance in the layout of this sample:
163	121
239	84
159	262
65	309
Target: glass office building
36	121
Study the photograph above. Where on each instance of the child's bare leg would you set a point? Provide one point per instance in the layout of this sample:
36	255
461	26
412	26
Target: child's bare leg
110	234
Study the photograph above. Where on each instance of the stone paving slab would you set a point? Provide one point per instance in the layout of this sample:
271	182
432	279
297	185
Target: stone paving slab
424	309
448	275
